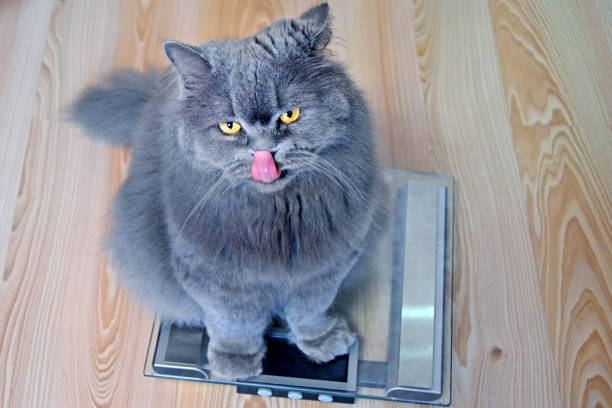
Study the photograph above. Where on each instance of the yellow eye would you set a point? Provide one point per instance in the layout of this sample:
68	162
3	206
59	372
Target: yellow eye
230	128
290	116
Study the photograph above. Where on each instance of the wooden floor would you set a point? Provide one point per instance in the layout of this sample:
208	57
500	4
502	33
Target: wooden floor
512	97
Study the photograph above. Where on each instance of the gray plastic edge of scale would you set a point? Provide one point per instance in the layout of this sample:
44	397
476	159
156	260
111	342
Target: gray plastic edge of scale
398	391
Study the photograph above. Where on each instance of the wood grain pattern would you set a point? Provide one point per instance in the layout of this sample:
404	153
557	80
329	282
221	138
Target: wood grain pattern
23	29
383	63
499	321
512	97
564	149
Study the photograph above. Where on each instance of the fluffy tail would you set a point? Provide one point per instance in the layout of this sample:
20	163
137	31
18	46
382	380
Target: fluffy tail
110	110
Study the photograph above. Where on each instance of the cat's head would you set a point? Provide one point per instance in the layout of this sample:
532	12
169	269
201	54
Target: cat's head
263	108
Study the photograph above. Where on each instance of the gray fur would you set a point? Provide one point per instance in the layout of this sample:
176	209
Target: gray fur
200	242
110	110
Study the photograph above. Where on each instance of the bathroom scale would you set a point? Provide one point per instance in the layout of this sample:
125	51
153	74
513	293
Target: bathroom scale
400	308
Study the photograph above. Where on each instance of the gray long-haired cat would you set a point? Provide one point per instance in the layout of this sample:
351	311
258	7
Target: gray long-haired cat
252	191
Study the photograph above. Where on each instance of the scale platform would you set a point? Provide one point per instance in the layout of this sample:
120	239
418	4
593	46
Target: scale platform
400	308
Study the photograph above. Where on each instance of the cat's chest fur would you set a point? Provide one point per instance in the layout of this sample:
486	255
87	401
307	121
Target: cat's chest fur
246	233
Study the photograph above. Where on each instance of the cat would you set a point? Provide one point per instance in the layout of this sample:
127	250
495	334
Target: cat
253	187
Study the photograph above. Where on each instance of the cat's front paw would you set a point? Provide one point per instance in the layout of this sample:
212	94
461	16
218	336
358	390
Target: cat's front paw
233	366
335	342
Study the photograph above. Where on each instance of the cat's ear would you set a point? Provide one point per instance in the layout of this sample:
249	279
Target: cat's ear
316	23
188	61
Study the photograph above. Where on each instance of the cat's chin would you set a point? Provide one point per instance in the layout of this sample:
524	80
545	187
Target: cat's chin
275	186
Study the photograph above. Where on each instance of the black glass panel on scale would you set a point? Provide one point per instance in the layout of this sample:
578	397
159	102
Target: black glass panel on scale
286	360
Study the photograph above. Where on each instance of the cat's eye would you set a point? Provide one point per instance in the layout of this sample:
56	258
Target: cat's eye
290	116
230	128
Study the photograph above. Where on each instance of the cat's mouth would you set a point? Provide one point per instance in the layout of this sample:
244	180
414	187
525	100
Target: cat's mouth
268	174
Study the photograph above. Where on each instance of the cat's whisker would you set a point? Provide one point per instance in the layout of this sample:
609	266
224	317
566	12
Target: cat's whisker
346	186
333	174
342	176
325	167
205	197
330	175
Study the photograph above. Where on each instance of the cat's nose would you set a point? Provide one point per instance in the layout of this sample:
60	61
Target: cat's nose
261	138
267	143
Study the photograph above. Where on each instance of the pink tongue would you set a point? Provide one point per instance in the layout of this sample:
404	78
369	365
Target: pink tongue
264	168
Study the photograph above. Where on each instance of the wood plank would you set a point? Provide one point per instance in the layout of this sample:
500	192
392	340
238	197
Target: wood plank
565	51
76	51
570	225
564	146
55	283
502	353
384	65
23	26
